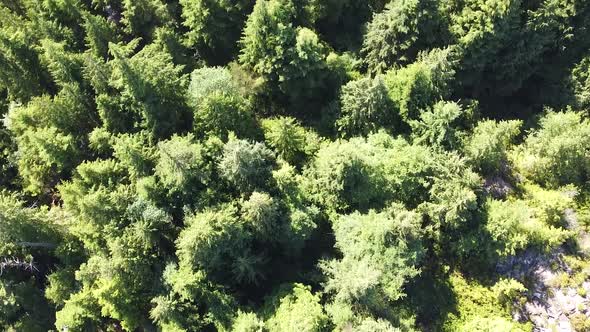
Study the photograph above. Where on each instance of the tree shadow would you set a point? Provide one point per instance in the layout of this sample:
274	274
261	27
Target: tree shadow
432	295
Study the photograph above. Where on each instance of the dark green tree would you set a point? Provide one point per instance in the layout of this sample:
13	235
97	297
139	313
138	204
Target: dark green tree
21	73
146	92
344	176
296	308
341	22
99	32
140	18
580	81
31	240
221	113
48	134
214	27
183	169
396	35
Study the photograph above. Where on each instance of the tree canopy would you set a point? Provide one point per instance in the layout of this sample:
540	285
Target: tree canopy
294	165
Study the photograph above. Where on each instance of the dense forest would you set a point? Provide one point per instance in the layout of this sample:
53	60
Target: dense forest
294	165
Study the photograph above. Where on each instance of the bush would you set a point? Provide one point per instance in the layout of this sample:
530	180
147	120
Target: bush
557	153
488	146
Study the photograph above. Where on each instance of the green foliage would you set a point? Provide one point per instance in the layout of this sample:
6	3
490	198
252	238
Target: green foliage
23	307
506	42
290	140
295	308
291	60
379	254
483	30
341	22
207	80
220	113
149	92
68	112
488	146
212	240
79	312
396	35
303	218
131	245
378	325
28	237
61	284
21	226
246	165
550	205
580	81
343	176
267	37
508	291
178	310
481	308
99	32
218	105
365	106
141	17
65	67
214	27
21	72
441	127
333	174
96	209
7	148
300	229
580	322
248	322
556	153
181	165
134	152
453	199
260	212
421	84
405	168
360	174
305	75
514	225
44	156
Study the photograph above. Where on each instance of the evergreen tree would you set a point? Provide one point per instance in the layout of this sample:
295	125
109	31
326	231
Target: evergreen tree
290	165
365	106
420	85
396	35
147	92
246	165
379	254
290	59
214	27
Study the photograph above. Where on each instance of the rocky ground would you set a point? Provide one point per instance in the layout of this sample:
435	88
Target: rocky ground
558	284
